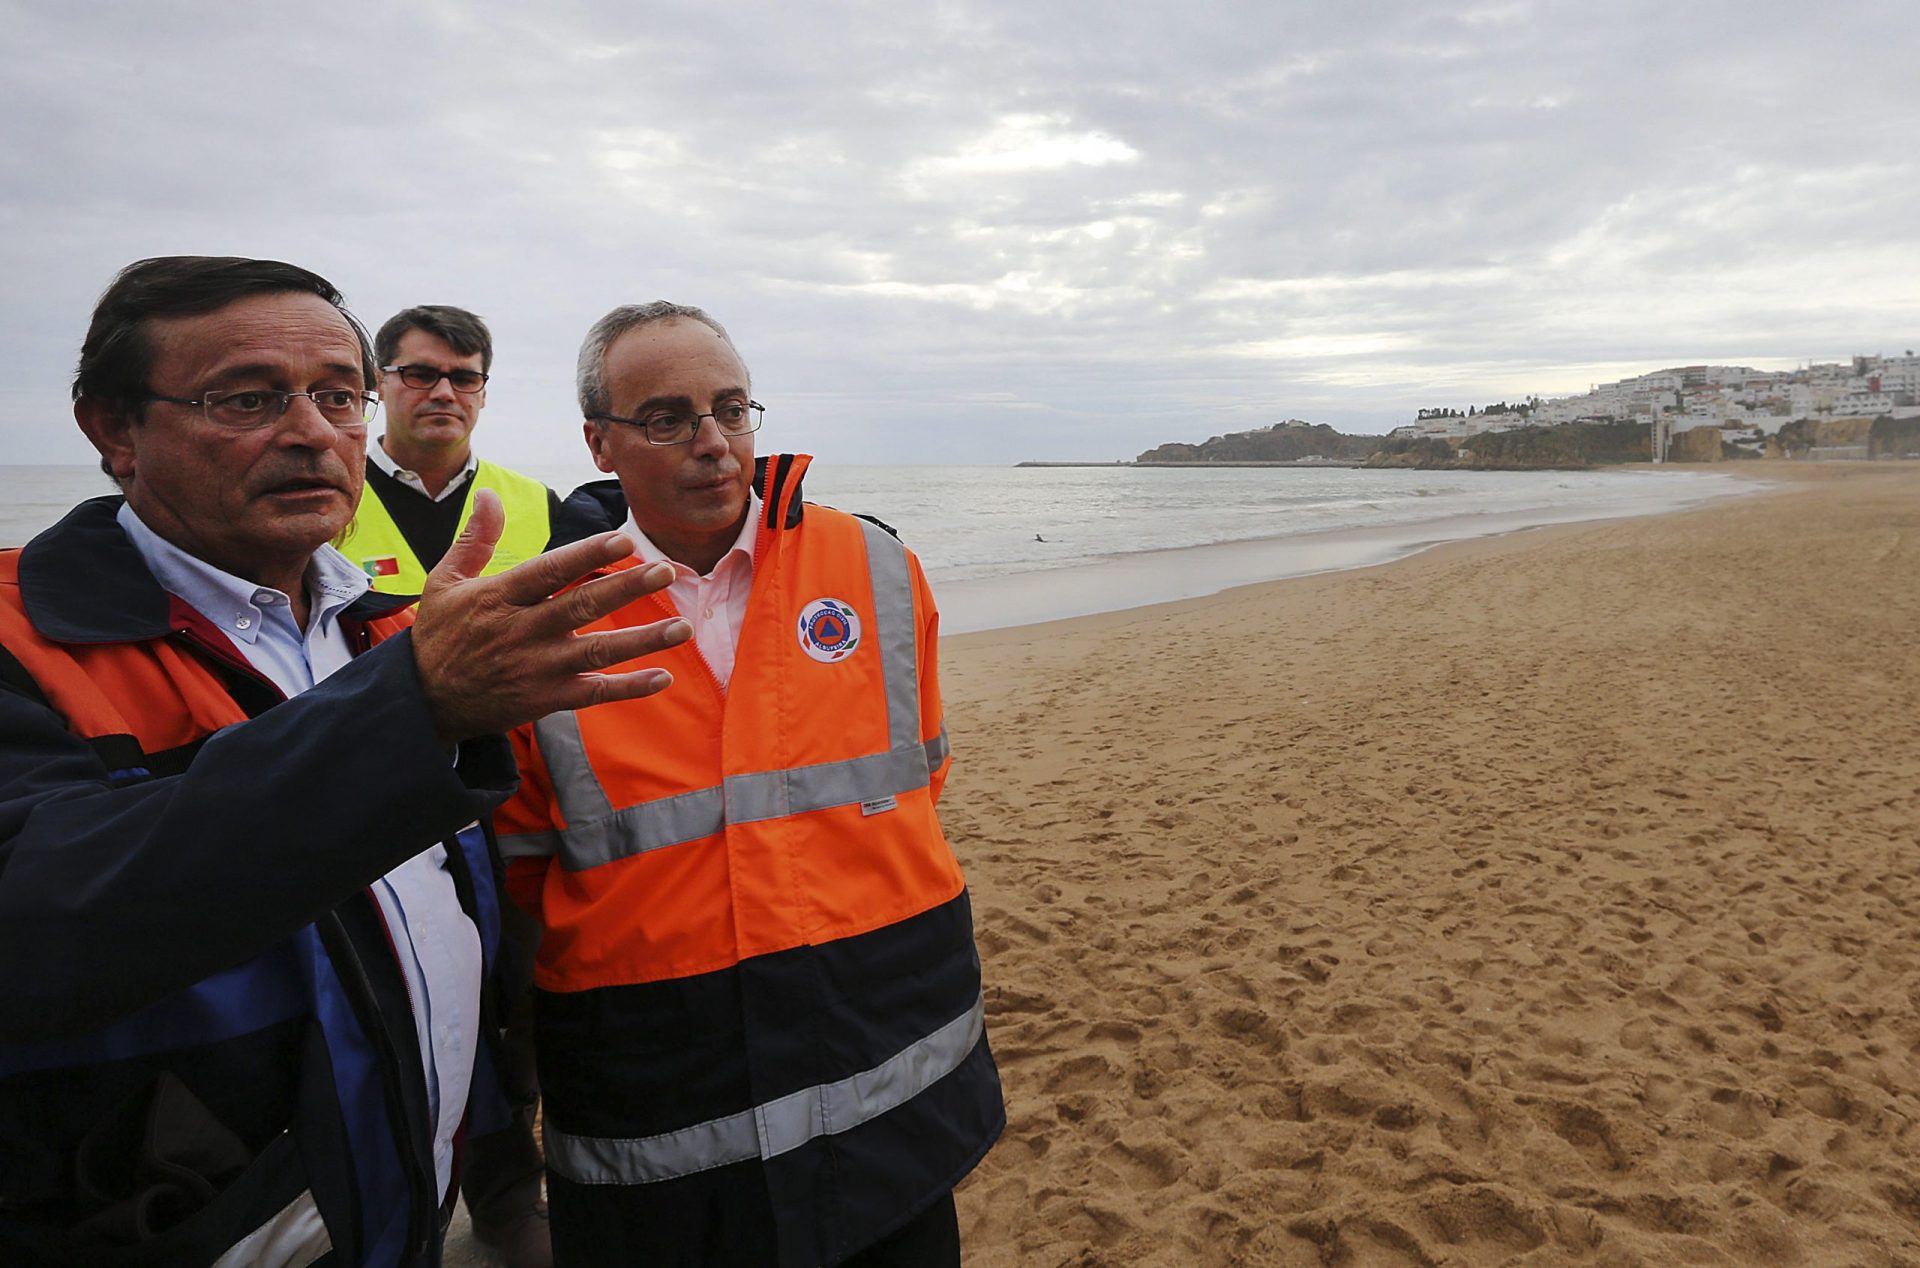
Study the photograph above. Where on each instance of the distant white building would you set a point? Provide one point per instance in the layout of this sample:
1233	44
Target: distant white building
1862	403
1738	396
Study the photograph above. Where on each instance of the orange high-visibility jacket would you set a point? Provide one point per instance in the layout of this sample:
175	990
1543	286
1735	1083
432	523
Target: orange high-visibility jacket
760	1015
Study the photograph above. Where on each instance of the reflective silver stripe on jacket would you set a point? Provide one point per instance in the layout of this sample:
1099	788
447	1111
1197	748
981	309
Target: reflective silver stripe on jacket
529	845
893	614
596	833
772	1129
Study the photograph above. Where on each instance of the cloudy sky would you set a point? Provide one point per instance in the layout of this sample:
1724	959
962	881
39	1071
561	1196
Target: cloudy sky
988	230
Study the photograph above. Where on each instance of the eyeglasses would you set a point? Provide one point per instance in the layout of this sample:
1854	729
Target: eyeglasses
425	376
345	407
668	427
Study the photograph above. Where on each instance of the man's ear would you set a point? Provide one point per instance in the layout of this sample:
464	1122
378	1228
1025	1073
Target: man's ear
597	445
110	427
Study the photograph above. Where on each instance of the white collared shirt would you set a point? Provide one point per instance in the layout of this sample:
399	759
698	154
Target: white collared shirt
377	454
438	946
714	604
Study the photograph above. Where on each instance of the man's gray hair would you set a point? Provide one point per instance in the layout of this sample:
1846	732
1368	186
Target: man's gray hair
591	374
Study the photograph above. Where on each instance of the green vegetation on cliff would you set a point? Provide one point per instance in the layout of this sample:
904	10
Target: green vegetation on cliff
1571	445
1282	442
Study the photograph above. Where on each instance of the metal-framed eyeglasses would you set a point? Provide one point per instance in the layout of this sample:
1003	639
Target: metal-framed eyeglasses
677	427
347	408
424	377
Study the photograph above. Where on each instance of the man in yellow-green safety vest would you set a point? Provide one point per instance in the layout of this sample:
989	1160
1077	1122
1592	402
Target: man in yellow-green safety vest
422	474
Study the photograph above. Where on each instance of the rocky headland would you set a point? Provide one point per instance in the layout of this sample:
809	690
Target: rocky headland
1566	446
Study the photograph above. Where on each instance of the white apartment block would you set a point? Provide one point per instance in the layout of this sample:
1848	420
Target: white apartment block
1720	396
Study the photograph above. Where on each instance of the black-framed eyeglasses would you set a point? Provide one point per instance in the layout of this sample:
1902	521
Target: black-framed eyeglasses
424	377
243	410
677	427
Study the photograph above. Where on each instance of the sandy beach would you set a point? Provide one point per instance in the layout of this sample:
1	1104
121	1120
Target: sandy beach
1536	900
1540	899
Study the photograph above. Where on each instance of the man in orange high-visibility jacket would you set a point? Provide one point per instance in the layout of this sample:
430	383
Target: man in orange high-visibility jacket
758	1007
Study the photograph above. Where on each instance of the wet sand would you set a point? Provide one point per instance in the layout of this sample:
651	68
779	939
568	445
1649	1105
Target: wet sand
1544	899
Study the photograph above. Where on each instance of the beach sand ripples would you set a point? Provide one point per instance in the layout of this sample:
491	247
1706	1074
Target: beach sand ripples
1535	901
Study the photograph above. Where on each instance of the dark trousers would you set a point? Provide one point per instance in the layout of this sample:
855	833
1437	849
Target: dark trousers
930	1239
507	1164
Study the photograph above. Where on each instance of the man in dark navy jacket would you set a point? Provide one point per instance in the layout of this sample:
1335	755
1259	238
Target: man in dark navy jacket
244	903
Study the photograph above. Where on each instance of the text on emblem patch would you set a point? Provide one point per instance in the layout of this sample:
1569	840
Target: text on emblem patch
829	630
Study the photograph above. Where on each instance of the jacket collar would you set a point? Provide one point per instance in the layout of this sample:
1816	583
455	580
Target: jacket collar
83	581
778	479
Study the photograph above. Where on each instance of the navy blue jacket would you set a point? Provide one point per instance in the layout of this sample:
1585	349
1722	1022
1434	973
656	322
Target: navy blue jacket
190	961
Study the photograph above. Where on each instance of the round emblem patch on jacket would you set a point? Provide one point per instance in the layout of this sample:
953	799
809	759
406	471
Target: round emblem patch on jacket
829	630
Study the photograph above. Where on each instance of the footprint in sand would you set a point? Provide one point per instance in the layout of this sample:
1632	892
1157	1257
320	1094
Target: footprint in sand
1484	1216
1588	1130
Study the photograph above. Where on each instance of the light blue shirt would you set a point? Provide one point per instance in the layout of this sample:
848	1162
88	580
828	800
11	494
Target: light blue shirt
439	948
257	618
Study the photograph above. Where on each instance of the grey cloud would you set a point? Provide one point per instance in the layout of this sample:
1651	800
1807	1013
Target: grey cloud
980	231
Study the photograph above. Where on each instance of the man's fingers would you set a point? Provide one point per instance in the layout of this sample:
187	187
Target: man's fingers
589	602
544	575
606	688
471	551
601	651
591	689
494	652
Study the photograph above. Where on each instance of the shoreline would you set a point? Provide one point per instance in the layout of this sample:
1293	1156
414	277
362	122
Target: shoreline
1441	548
1541	898
1150	578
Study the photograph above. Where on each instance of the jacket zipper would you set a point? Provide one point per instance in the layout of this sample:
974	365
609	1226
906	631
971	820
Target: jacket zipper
423	1214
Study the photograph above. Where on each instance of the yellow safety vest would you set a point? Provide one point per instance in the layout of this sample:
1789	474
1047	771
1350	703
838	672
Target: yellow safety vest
374	542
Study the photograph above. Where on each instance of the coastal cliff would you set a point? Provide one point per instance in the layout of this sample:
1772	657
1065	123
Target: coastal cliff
1571	445
1882	437
1283	442
1568	445
1561	446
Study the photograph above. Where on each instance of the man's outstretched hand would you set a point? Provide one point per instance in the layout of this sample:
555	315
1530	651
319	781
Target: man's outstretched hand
493	652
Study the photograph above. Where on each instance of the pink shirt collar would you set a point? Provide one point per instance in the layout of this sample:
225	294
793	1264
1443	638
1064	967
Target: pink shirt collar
714	604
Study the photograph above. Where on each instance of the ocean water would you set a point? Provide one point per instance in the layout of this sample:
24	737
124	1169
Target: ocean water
1012	545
